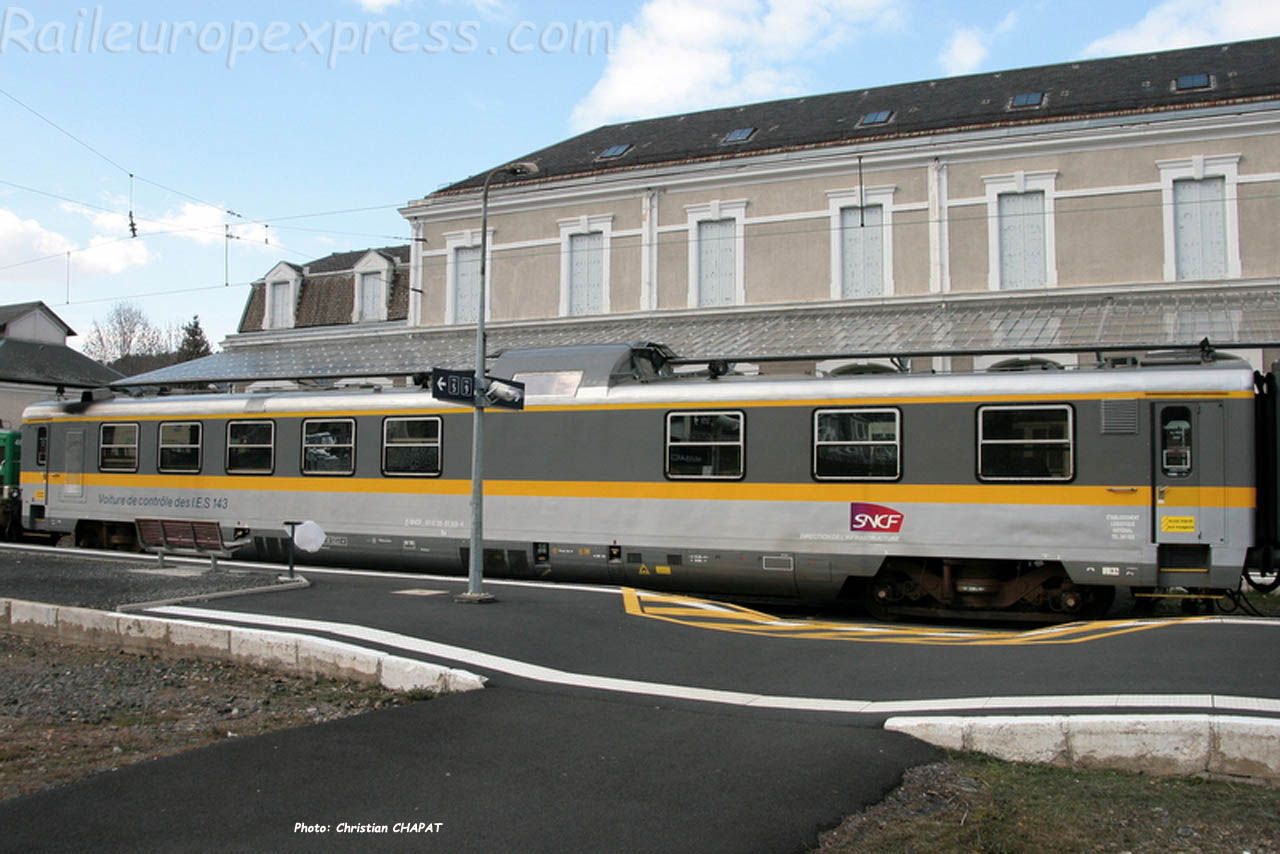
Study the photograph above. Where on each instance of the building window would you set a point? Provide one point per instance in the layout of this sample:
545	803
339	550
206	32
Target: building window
738	135
465	289
118	447
1201	220
1022	249
861	242
717	261
707	445
180	446
614	151
279	305
1192	81
1200	231
1021	240
856	444
716	249
877	117
1025	443
329	446
371	277
1026	100
411	447
584	268
251	447
862	252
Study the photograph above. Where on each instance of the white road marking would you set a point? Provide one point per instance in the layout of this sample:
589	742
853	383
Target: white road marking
540	673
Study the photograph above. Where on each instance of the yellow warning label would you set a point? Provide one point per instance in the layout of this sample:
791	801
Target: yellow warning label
663	570
644	570
1178	524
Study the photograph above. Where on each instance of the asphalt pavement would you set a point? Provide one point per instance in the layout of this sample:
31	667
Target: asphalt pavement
613	720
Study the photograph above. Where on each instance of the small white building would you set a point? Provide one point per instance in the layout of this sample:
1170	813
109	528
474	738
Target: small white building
36	363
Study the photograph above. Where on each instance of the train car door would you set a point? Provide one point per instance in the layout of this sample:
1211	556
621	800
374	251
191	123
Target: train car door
1188	494
73	467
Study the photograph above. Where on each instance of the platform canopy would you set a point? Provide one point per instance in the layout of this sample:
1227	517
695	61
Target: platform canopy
1080	320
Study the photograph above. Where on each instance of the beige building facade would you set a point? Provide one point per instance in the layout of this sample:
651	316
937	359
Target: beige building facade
1138	200
854	224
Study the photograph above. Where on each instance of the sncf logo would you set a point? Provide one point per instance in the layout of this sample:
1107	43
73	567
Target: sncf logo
874	517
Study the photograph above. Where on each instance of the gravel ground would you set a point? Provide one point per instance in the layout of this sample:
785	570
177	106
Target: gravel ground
68	712
44	576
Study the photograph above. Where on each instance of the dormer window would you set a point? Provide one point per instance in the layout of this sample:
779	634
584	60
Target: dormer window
877	117
372	282
1027	100
737	135
614	151
1192	81
280	296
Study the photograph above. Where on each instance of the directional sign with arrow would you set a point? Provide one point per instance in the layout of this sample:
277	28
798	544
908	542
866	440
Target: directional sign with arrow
453	385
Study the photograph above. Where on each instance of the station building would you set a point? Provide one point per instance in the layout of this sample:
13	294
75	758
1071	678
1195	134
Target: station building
958	223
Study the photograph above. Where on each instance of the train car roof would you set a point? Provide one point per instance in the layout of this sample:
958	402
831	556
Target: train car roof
1208	379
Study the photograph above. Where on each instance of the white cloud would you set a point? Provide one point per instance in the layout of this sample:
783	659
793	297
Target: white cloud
203	224
111	255
377	7
35	255
1183	23
969	47
682	55
965	52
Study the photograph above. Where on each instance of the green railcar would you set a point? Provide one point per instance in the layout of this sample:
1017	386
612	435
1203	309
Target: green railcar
10	487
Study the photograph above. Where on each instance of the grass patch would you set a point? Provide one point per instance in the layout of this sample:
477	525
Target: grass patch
975	803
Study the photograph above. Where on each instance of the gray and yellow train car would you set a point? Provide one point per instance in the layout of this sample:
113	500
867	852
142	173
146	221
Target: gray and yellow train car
990	492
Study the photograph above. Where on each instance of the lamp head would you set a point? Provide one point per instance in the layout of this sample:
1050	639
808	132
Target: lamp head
522	167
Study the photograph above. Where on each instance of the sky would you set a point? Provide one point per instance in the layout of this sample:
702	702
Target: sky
240	134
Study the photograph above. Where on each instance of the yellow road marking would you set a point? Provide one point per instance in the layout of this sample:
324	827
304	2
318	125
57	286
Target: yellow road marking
722	616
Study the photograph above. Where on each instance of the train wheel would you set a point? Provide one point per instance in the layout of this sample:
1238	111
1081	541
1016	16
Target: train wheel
89	535
880	594
1263	584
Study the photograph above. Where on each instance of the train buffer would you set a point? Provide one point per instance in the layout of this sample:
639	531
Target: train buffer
182	536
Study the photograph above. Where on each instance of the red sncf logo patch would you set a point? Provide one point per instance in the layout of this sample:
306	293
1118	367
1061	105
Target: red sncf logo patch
874	517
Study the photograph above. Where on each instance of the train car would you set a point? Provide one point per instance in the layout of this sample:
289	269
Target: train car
10	489
981	493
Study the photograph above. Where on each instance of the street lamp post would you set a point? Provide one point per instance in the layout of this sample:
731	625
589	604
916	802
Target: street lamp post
475	566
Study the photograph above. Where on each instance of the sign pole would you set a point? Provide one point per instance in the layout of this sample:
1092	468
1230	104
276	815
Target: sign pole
475	568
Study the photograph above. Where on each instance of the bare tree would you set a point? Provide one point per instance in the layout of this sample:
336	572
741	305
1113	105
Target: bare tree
126	332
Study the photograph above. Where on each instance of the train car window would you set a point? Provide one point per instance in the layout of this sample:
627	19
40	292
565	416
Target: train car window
857	444
251	447
1175	441
411	447
1025	443
329	446
118	447
42	446
180	446
705	445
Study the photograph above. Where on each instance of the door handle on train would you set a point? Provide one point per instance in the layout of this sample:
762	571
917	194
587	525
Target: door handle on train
1160	491
1122	490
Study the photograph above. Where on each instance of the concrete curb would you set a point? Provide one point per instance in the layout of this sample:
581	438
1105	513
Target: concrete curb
281	584
1220	746
300	654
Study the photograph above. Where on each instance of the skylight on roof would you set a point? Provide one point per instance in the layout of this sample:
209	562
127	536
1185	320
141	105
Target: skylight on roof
1027	99
615	151
1192	81
738	135
878	117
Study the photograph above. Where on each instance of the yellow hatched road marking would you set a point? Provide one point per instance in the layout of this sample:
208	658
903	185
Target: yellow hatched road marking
721	616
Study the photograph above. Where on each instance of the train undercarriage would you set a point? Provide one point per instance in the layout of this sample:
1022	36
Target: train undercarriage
983	589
